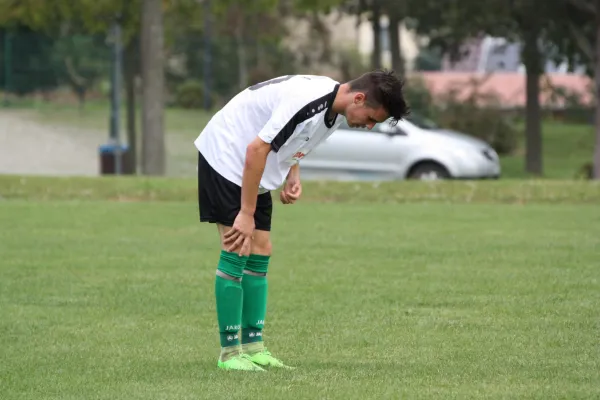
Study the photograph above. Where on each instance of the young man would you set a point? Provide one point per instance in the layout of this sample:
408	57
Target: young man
251	147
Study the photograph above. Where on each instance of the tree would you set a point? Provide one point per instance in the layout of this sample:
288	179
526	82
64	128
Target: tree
314	11
531	22
396	13
245	22
596	173
581	45
131	68
152	37
84	60
84	20
376	12
529	25
29	65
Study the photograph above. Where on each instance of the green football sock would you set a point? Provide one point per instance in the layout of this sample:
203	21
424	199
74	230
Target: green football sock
255	299
229	297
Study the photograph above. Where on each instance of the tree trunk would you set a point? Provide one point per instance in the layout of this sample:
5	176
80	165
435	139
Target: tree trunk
596	172
261	56
322	33
376	23
153	144
533	131
81	92
241	51
395	44
129	73
207	55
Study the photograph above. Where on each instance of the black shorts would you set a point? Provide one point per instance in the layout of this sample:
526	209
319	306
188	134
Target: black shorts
219	200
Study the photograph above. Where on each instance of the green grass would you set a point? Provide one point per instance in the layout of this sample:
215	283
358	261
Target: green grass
566	148
184	189
114	300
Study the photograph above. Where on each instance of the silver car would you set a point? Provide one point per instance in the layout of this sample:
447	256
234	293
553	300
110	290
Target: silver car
413	149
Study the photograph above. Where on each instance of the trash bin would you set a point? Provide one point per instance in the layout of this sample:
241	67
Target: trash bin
108	154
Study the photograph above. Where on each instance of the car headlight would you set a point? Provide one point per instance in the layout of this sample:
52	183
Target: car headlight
490	154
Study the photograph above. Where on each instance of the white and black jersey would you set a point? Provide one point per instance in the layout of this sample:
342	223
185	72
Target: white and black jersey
292	113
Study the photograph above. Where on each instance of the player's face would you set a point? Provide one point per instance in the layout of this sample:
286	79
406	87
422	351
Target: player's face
360	115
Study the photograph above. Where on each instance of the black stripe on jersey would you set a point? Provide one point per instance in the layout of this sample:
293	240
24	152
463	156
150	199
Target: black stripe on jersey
306	112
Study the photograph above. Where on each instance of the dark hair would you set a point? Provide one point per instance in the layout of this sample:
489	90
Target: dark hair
382	88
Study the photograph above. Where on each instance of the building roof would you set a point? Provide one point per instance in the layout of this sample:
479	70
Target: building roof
509	86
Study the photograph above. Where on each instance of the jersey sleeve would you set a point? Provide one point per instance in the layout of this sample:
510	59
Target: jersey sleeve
287	120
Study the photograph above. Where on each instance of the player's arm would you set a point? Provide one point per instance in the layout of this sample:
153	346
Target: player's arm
294	172
254	166
278	130
292	188
239	237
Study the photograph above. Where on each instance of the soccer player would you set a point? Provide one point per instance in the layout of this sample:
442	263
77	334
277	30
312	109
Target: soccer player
251	147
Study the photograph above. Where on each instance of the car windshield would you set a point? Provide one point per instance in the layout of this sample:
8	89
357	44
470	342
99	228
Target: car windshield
379	127
422	122
414	118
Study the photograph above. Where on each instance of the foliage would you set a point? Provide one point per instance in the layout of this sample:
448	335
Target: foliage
428	59
91	16
351	63
467	109
418	96
30	62
479	114
83	59
40	62
190	94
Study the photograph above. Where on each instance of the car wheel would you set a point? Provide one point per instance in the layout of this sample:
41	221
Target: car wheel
428	172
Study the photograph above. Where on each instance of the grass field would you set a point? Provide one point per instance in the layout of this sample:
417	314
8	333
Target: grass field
110	298
566	148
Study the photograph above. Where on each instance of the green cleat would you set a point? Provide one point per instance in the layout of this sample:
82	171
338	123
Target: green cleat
239	363
265	359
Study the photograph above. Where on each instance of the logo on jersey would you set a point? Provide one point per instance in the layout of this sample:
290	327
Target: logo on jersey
298	156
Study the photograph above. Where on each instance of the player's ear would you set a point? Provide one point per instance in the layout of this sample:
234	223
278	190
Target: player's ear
359	98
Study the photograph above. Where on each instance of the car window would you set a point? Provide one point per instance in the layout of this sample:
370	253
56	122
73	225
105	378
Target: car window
382	127
387	128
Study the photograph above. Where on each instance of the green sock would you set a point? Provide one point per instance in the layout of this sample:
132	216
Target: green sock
229	297
255	299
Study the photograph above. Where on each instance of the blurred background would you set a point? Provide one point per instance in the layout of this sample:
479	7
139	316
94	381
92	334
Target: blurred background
499	89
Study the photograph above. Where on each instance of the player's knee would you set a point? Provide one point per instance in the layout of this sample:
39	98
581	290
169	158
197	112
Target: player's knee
264	247
257	265
230	266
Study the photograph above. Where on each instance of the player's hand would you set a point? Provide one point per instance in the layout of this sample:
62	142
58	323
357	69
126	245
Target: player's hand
239	238
291	191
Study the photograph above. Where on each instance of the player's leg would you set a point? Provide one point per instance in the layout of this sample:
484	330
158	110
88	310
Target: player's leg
255	287
229	298
214	196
